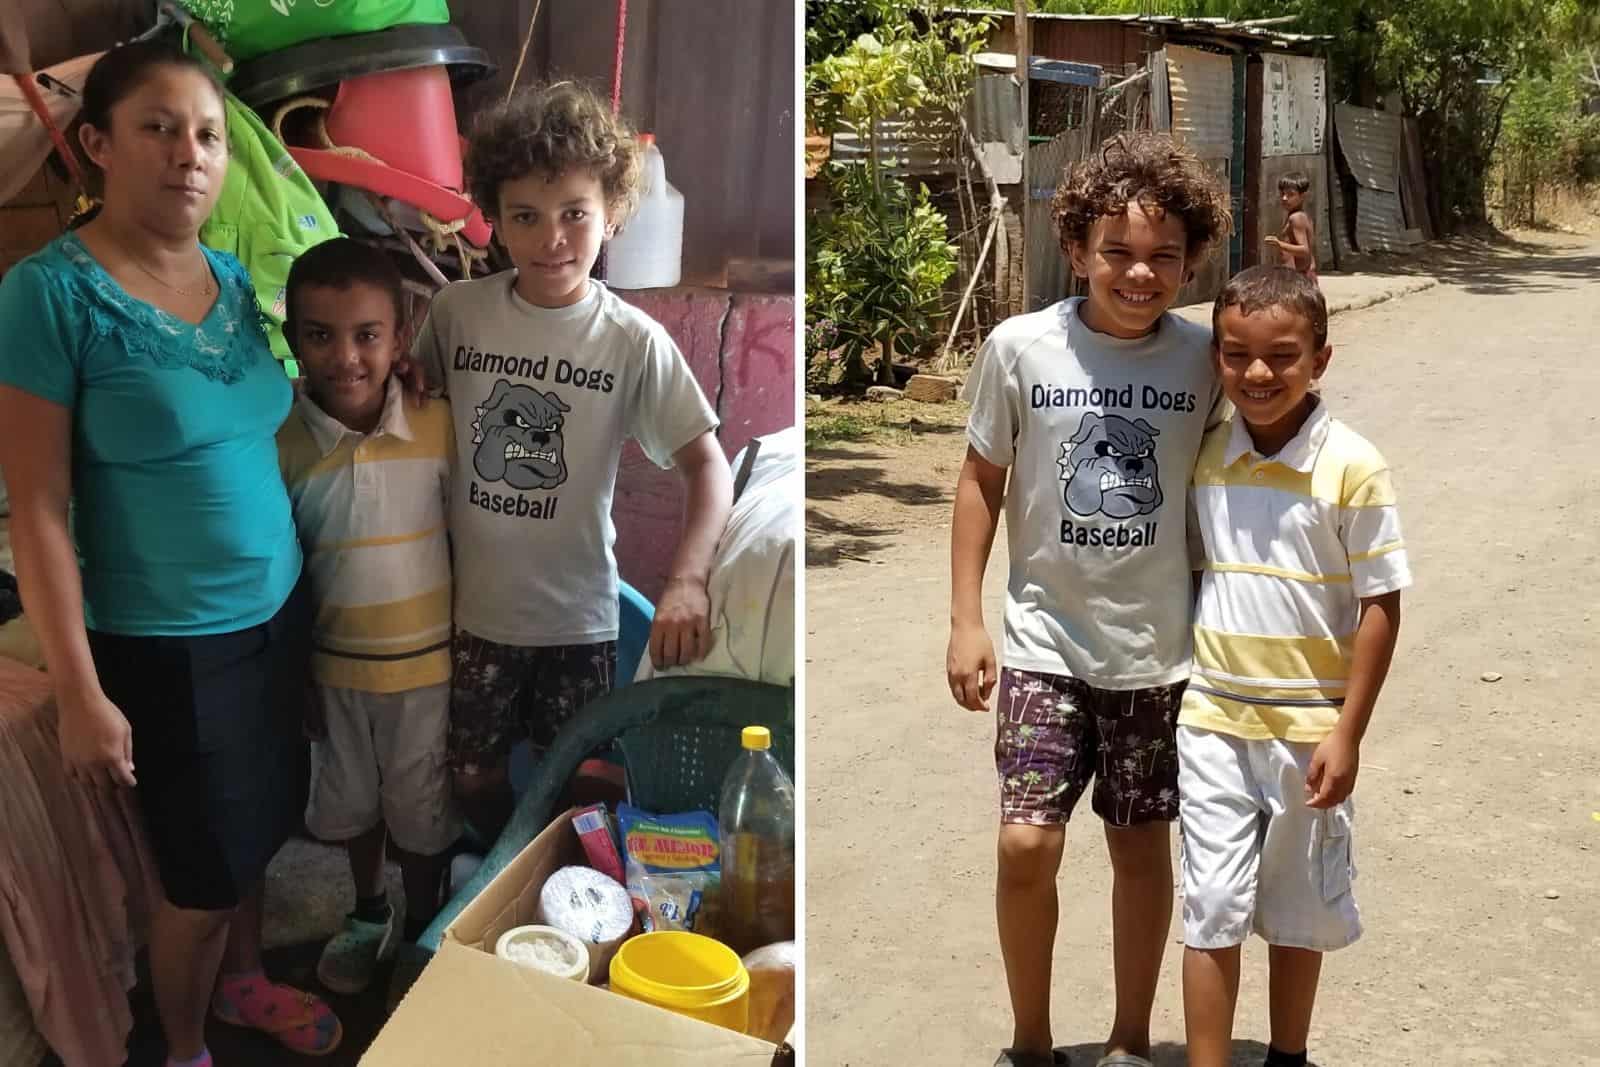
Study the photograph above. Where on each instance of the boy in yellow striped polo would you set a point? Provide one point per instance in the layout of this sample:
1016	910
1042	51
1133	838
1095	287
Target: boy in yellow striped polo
369	479
1298	613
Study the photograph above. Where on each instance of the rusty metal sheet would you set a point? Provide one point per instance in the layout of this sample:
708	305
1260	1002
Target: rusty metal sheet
1202	100
1049	275
1370	143
994	114
1380	226
922	144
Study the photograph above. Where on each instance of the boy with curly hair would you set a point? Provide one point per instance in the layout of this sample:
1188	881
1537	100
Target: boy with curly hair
1095	407
548	372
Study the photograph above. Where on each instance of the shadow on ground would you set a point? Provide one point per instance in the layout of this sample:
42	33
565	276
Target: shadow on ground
835	475
1171	1054
1490	263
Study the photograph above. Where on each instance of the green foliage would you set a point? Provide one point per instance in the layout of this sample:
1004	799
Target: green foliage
877	265
875	274
1546	139
831	25
871	79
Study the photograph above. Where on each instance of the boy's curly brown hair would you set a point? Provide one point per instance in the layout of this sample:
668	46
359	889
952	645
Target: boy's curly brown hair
551	129
1153	170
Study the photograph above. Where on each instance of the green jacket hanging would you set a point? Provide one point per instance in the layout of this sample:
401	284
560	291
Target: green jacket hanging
269	212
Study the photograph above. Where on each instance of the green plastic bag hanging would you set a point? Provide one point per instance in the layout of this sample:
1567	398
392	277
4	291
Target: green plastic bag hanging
249	28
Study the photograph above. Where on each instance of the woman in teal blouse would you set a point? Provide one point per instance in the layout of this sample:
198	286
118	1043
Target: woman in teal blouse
154	544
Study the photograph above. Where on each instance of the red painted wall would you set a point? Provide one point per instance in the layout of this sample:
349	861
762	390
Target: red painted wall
741	349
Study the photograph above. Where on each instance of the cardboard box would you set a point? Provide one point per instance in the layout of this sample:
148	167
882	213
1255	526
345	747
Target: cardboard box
470	1006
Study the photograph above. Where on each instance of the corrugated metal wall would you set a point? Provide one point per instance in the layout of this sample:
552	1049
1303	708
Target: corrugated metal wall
1294	105
1202	118
713	79
1369	140
919	145
1049	273
1202	100
1270	212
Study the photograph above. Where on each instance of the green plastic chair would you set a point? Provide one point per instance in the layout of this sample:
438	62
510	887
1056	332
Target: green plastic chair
678	737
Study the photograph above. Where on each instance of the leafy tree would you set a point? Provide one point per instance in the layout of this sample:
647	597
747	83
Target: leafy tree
877	266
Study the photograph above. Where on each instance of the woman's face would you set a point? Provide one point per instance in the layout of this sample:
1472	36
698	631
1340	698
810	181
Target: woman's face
166	152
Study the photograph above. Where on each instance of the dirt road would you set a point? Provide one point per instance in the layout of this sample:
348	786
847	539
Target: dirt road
1478	833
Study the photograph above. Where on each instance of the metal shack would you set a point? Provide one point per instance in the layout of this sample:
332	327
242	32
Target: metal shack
1249	98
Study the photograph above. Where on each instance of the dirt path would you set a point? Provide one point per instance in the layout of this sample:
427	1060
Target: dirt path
1478	835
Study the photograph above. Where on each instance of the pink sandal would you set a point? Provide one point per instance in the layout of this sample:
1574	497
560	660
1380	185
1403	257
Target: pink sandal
302	1022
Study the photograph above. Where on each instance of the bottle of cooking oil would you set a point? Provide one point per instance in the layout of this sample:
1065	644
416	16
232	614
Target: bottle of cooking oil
756	820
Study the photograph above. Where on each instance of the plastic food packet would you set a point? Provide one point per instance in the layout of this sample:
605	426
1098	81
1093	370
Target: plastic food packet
772	970
673	865
598	835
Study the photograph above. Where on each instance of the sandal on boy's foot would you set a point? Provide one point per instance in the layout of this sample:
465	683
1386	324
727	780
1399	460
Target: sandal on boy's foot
302	1022
352	955
1011	1058
1123	1059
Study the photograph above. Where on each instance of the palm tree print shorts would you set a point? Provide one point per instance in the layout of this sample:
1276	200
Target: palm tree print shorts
1054	733
500	694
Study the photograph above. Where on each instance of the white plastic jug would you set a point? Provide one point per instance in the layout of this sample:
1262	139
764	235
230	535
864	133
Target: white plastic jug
647	253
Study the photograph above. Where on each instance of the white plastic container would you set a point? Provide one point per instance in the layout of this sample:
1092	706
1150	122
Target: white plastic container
647	253
544	948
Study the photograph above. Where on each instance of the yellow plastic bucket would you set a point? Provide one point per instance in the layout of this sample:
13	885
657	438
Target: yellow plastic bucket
685	973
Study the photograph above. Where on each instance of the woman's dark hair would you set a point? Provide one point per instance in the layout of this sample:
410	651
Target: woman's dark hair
117	75
120	72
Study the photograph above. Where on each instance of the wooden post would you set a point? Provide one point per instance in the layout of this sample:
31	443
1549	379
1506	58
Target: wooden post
1024	75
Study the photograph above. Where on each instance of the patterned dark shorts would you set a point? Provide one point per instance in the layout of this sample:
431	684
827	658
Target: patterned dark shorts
501	694
1054	733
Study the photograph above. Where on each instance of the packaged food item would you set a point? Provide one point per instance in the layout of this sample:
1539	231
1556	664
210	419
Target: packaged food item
547	949
591	907
772	969
757	836
673	865
598	835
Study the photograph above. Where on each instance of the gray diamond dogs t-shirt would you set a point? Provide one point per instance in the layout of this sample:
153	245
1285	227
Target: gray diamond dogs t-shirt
543	399
1101	436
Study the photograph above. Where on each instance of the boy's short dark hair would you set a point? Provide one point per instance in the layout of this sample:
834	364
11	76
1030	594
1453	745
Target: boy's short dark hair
1260	288
1295	182
339	263
551	129
1149	168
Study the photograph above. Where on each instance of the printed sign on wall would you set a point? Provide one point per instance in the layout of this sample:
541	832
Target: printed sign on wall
1294	105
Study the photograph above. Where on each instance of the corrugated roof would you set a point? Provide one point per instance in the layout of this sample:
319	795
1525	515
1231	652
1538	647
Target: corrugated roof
1241	32
1087	75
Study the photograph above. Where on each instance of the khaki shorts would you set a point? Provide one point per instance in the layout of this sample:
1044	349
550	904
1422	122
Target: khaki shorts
1254	857
384	761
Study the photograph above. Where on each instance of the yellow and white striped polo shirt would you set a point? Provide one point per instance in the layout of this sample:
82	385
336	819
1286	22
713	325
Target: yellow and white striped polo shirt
1292	543
371	514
